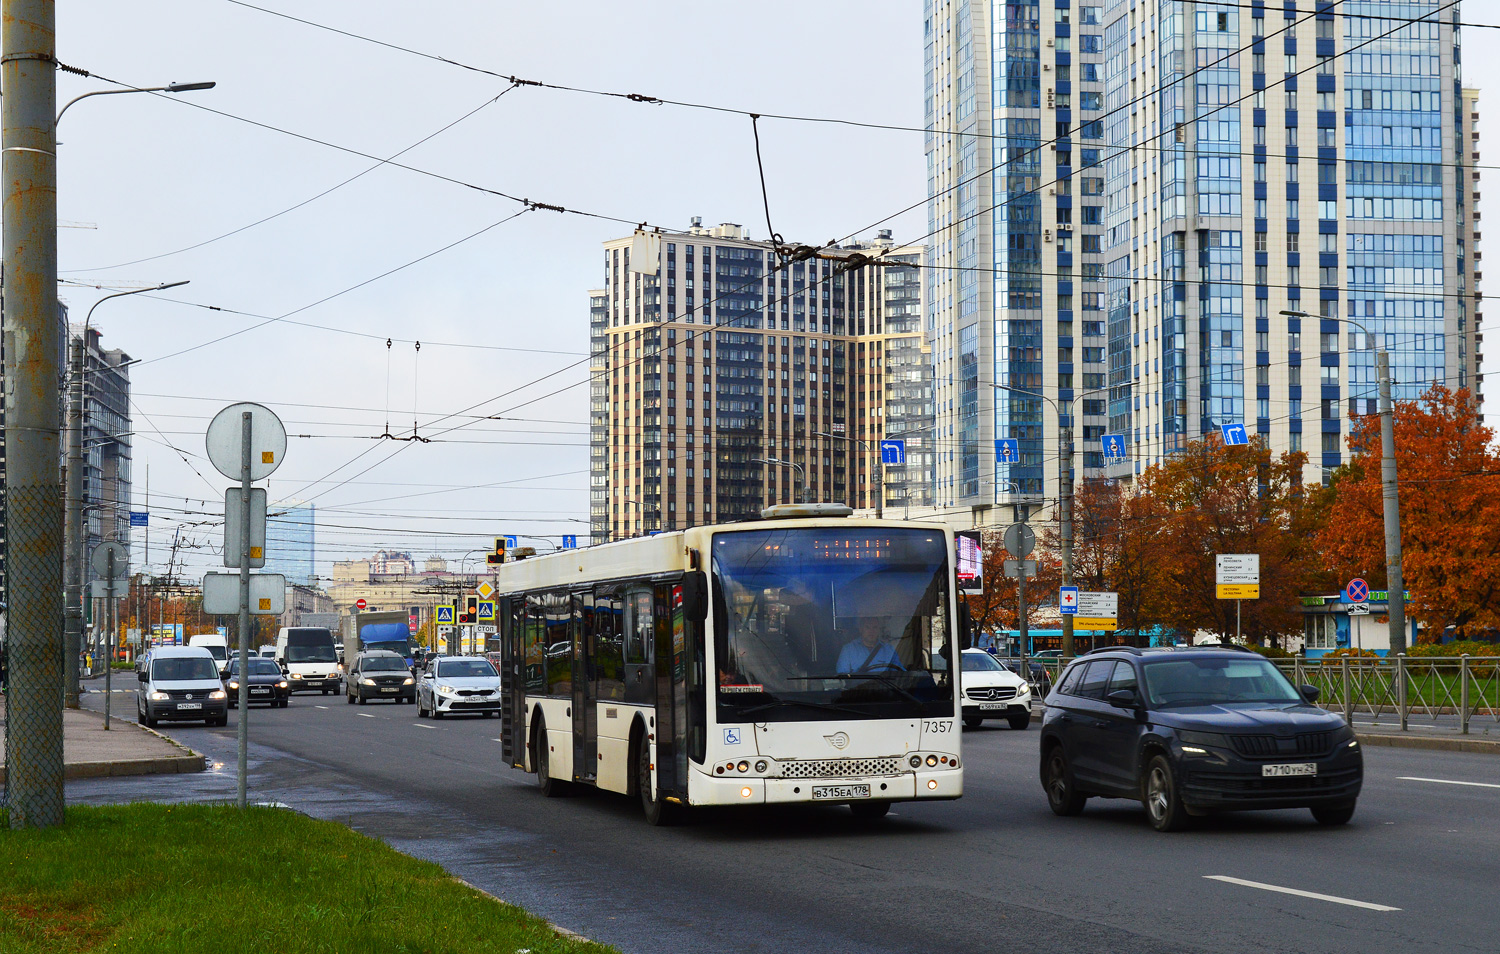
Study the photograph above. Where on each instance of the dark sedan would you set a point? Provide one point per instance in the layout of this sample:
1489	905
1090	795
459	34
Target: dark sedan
267	683
1191	731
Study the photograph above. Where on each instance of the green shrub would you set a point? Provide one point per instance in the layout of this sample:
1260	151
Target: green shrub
1352	652
1273	652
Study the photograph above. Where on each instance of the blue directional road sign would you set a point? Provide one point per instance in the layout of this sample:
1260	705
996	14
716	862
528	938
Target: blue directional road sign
1067	600
893	452
1007	450
140	518
1234	434
445	615
1114	445
570	542
511	542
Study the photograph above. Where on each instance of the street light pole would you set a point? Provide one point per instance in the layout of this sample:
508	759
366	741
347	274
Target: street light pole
786	463
879	469
73	532
1395	599
1065	503
169	88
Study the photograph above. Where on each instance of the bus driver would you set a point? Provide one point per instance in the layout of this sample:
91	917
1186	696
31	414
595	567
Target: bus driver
867	652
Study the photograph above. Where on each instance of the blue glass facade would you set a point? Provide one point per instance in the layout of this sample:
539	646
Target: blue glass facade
291	542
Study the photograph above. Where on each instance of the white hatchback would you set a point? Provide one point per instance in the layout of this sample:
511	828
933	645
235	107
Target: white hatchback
990	691
455	684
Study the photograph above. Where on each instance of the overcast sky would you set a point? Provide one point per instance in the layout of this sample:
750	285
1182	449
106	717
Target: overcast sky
155	176
145	177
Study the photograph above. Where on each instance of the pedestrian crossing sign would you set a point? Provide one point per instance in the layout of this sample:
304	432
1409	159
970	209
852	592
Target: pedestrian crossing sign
445	615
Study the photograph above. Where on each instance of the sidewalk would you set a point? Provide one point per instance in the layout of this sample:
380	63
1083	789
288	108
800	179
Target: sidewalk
90	751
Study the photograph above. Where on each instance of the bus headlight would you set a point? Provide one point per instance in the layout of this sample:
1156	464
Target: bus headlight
916	761
931	761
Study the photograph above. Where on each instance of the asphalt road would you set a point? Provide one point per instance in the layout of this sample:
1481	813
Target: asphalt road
992	872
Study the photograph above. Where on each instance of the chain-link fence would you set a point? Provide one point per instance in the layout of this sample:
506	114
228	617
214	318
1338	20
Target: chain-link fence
34	664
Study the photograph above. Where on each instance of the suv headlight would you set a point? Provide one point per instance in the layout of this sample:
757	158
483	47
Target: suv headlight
409	681
367	681
1213	739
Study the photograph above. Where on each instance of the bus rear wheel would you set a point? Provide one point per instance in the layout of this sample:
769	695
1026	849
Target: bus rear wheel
551	787
658	810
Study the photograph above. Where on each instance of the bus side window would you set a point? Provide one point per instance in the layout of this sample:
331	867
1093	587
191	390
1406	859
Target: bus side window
559	645
533	645
604	623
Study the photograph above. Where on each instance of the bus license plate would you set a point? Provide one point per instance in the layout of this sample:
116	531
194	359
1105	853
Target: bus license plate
840	791
1295	768
189	705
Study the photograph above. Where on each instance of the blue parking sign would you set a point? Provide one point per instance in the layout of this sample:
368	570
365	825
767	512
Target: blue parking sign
1234	434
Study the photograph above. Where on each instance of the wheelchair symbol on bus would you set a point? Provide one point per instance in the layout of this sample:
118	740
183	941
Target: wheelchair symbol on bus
731	736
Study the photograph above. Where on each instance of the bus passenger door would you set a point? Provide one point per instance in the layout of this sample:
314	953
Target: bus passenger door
640	649
512	682
585	711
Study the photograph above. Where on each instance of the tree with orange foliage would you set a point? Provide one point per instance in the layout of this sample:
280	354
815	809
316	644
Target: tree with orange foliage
998	607
1107	557
1448	479
1211	500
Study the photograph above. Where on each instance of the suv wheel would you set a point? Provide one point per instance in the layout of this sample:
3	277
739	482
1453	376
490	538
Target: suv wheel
973	722
1019	720
1159	791
1062	796
1334	814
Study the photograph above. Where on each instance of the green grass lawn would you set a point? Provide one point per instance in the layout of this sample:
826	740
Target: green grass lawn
1425	685
183	878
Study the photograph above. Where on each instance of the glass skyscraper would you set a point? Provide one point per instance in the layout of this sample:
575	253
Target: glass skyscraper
291	541
1125	197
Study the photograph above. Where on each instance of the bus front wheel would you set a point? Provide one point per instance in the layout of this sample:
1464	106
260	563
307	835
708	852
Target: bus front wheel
658	810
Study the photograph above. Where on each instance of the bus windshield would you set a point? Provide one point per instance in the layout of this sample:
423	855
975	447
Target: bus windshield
831	623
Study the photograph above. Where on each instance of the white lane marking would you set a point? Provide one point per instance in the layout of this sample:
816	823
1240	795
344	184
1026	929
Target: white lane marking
1444	781
1397	727
1301	894
315	707
501	741
364	715
415	725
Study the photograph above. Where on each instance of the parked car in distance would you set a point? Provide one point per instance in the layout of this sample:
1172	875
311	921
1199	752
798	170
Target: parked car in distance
379	674
267	652
1193	730
458	684
181	683
267	683
991	691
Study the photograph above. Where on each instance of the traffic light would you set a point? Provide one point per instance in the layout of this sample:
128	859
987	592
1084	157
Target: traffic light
498	556
468	613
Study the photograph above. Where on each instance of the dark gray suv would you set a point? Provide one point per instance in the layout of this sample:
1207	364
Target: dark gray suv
1194	730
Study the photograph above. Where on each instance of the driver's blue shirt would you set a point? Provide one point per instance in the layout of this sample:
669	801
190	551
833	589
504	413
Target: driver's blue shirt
852	658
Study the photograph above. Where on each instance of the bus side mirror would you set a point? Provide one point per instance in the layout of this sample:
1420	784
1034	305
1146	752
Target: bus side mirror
695	595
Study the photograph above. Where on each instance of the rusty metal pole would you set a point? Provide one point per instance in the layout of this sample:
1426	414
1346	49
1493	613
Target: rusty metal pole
33	343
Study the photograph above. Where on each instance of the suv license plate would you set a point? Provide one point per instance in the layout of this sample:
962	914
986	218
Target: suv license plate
1295	768
991	705
189	705
840	791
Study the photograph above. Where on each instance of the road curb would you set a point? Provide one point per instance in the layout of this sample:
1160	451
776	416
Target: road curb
557	928
1426	742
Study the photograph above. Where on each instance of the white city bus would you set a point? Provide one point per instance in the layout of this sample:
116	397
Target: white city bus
801	658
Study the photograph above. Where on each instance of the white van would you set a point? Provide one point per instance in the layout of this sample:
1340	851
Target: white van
217	646
181	683
309	659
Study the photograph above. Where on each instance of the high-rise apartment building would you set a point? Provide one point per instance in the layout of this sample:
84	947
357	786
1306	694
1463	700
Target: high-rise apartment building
1125	198
107	448
1016	317
1263	160
725	379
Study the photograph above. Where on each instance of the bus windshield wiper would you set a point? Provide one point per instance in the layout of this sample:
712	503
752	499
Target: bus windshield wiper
829	706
